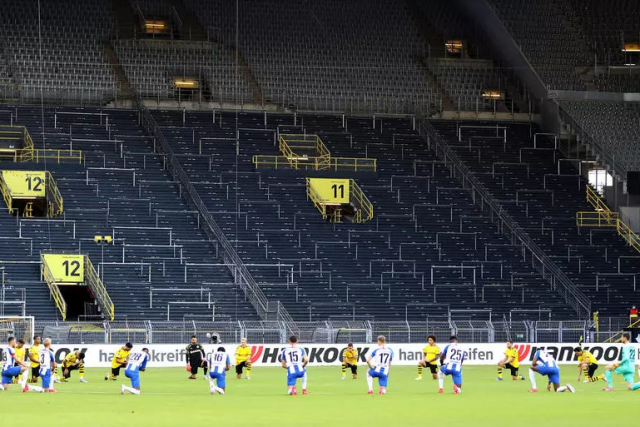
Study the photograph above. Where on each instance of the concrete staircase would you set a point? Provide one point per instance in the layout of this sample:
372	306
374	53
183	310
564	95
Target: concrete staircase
191	28
125	91
126	23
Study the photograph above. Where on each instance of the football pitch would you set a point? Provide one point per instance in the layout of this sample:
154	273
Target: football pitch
169	399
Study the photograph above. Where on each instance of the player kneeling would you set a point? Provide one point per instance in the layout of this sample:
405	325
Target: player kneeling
12	367
587	364
47	365
137	363
379	364
72	362
294	360
219	363
451	360
430	356
546	365
350	360
511	361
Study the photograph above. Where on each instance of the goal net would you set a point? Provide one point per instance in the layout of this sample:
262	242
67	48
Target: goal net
18	327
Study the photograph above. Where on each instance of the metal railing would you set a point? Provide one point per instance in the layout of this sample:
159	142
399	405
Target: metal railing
99	291
55	290
335	331
509	227
316	163
241	274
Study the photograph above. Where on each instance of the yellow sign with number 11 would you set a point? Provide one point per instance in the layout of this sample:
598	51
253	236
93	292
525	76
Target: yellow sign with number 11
331	190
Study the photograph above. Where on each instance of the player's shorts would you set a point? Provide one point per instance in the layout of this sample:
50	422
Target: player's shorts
45	374
353	367
454	372
195	366
35	372
432	367
383	378
116	371
292	377
240	366
9	374
592	369
134	376
627	372
220	377
552	373
514	370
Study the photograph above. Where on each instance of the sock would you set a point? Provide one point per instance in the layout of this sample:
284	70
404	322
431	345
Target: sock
532	377
499	372
344	369
81	370
440	379
561	389
36	389
609	378
585	371
304	381
370	381
205	370
248	369
290	390
131	390
635	387
420	371
219	390
596	378
212	385
23	379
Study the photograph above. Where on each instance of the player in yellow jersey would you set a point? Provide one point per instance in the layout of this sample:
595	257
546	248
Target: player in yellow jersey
34	357
120	359
588	364
511	361
243	359
350	360
21	354
72	362
430	356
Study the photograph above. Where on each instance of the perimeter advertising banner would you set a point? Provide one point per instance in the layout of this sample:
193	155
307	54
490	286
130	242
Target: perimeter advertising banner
165	355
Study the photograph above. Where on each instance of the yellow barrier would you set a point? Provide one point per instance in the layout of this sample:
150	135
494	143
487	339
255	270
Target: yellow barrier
99	291
357	198
604	217
315	163
54	289
55	203
617	337
54	198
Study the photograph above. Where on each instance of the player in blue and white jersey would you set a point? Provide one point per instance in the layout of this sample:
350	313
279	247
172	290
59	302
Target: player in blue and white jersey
451	360
546	365
47	364
379	363
137	363
219	363
294	360
11	366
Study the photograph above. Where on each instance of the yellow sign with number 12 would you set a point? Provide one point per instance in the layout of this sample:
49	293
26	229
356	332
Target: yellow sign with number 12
66	268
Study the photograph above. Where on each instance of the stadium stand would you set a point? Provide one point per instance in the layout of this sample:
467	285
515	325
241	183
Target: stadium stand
614	125
158	258
70	62
406	263
525	179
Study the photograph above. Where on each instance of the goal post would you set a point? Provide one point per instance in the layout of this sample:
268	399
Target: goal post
20	327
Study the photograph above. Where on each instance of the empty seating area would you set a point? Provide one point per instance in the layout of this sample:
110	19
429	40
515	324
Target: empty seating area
160	266
524	176
427	252
151	65
539	29
615	125
331	56
64	56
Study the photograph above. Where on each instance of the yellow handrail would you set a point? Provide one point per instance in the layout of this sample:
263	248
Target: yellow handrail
317	163
363	202
604	217
6	195
54	289
618	336
56	205
99	291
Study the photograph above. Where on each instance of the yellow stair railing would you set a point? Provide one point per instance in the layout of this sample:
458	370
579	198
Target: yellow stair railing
318	202
316	163
54	289
604	217
55	203
100	293
361	202
617	337
6	195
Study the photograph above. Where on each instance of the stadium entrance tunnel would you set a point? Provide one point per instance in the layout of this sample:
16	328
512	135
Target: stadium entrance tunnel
80	302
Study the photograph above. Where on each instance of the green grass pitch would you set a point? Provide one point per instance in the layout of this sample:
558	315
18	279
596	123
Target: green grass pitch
169	399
